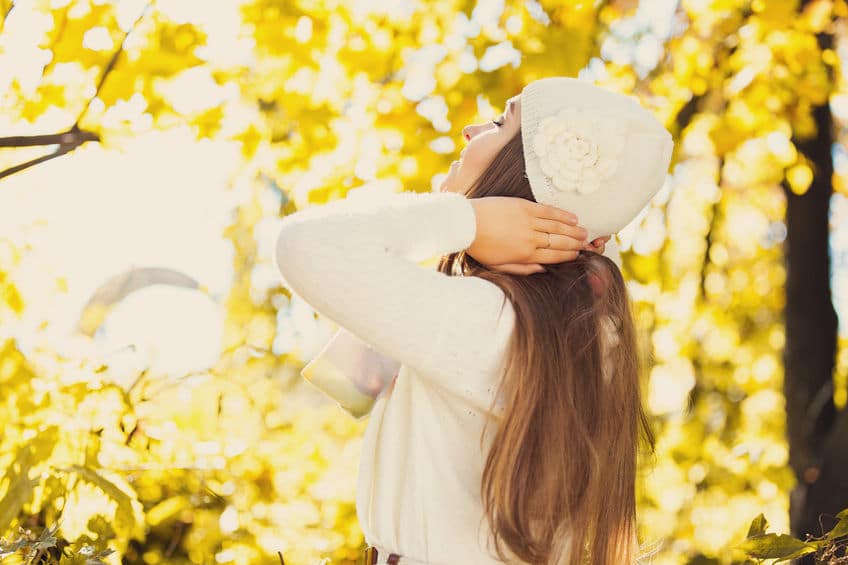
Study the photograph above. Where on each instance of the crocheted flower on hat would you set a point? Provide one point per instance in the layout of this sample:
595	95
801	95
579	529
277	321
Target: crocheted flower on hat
577	151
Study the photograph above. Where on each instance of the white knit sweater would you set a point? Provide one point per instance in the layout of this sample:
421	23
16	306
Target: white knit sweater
355	262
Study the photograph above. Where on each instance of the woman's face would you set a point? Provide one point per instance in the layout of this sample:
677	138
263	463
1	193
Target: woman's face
484	142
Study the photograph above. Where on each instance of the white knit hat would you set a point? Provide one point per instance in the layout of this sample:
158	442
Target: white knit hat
592	151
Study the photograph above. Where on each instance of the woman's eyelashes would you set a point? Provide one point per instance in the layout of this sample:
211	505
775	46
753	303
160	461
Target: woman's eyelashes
498	123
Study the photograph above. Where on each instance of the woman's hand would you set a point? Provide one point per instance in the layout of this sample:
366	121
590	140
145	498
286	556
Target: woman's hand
597	245
512	235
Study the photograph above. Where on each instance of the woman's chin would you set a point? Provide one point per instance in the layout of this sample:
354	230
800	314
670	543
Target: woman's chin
446	185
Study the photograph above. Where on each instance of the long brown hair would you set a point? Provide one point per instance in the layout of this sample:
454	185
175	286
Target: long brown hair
558	486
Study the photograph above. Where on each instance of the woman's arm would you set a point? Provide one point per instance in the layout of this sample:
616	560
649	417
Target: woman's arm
355	262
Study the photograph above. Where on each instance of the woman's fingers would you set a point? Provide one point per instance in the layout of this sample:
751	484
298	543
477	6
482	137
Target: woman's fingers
556	227
599	245
548	212
565	241
559	242
515	231
564	238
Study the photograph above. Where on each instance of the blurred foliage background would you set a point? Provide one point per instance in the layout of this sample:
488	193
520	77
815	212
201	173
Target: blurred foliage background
149	356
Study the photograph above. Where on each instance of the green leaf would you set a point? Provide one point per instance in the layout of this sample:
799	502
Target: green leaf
777	546
47	539
758	526
8	548
129	509
167	510
839	530
19	487
19	493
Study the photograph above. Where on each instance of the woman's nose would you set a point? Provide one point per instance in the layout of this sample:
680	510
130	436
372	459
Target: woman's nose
469	131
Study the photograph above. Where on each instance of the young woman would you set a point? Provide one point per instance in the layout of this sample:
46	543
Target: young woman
511	431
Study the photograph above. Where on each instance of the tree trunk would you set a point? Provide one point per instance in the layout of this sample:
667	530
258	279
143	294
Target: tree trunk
816	432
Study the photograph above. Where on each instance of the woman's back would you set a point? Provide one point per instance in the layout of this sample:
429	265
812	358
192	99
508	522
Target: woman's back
419	493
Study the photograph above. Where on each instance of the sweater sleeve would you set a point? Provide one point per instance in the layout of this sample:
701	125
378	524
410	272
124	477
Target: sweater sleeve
355	262
363	368
350	372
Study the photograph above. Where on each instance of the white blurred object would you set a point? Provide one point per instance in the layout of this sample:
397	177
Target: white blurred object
174	331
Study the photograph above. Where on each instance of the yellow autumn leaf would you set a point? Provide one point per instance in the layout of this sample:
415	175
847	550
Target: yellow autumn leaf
799	177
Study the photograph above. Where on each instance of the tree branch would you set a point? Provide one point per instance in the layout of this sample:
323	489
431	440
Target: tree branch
74	137
709	241
77	136
111	65
688	111
67	142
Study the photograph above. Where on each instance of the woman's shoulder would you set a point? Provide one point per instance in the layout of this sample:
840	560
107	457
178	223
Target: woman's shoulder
480	323
488	297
